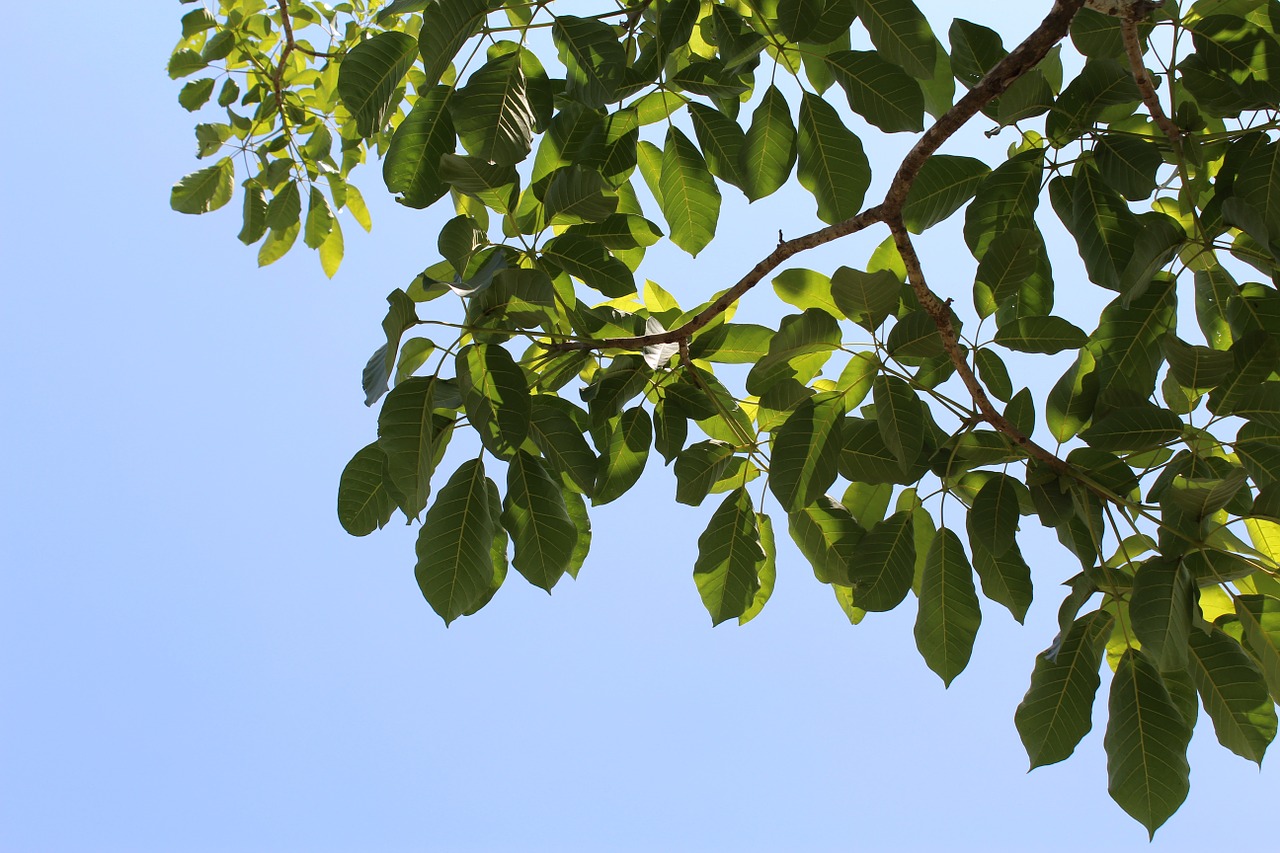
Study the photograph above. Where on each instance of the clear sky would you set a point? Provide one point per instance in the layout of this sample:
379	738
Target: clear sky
195	656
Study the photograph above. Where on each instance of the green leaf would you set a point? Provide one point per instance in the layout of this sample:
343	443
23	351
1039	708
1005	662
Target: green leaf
942	187
721	141
1234	693
878	90
205	190
363	502
319	219
805	452
769	149
455	561
413	355
553	430
413	436
1255	357
369	74
1160	609
578	195
949	615
1134	428
688	195
867	298
1040	334
801	346
833	165
697	469
1128	164
1196	367
534	513
994	374
195	94
915	336
1146	743
622	459
495	186
974	50
493	114
885	563
1057	711
805	289
255	216
767	571
1260	617
446	27
278	243
899	418
828	537
593	58
587	258
495	396
577	509
1006	579
1101	84
1100	221
732	343
729	555
1015	255
412	165
993	518
901	34
401	316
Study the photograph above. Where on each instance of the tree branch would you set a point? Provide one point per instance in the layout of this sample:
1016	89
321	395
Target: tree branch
941	314
1133	49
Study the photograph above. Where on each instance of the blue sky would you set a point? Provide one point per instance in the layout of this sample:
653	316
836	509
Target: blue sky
194	655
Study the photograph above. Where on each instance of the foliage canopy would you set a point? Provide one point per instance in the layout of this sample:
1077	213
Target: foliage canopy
1155	458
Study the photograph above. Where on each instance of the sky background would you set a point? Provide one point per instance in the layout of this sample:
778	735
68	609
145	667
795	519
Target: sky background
195	656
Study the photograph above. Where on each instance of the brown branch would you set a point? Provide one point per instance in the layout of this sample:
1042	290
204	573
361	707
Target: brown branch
941	314
784	251
1133	48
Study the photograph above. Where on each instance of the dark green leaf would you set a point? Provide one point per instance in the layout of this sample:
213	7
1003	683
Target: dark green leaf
729	556
1040	334
413	435
446	27
495	396
688	195
552	428
622	459
833	165
412	164
942	187
587	258
769	149
867	298
878	90
593	57
369	75
1146	744
697	469
885	563
455	561
805	452
801	346
899	418
993	518
901	34
948	619
721	141
767	571
828	537
1134	429
1234	693
1260	617
1057	710
534	513
1006	579
363	502
1160	610
205	190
